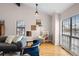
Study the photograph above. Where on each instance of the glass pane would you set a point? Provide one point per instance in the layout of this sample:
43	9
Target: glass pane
66	27
77	26
75	46
73	26
65	42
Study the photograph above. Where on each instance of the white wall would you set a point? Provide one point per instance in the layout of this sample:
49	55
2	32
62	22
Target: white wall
55	28
11	13
71	11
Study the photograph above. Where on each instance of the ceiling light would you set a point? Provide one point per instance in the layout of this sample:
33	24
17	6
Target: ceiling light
36	12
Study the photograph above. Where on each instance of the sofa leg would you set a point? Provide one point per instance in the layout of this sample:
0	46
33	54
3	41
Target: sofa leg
21	53
3	53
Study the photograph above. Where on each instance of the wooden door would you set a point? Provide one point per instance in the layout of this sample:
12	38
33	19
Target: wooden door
2	28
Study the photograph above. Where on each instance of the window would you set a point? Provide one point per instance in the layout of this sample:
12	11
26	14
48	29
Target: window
66	33
73	26
65	41
75	46
70	34
66	27
77	26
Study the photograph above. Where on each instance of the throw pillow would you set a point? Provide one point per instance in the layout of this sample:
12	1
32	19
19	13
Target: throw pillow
9	39
18	39
15	39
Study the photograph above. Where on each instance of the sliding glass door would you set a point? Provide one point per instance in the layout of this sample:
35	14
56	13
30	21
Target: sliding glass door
75	35
70	34
66	33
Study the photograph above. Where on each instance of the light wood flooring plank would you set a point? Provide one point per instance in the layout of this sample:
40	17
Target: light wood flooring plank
48	49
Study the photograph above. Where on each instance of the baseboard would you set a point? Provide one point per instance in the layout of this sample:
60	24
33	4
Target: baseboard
71	53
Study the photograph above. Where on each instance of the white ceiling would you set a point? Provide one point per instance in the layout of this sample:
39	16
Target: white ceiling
50	8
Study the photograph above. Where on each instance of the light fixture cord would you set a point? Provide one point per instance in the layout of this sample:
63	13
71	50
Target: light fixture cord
36	8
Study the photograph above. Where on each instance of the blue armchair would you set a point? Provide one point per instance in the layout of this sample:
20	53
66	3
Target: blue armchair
34	50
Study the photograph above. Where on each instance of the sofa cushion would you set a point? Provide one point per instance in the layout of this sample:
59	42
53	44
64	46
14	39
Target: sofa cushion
9	39
7	47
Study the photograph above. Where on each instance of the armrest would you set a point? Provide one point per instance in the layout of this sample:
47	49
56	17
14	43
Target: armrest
3	38
18	44
30	48
36	45
21	43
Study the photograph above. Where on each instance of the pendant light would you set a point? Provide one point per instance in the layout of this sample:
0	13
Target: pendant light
36	12
38	21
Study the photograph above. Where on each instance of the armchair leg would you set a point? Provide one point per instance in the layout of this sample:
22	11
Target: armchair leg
21	53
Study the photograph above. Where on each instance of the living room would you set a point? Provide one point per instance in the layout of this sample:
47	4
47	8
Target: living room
13	15
34	23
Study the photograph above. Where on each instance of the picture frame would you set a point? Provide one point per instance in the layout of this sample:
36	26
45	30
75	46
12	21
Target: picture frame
33	27
38	22
28	33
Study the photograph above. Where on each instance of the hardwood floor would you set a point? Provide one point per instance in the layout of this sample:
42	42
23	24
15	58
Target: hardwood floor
48	49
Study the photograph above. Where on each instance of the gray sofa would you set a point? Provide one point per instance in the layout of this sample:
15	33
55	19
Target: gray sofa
13	47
